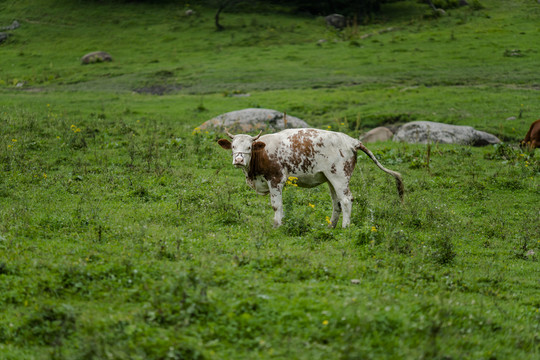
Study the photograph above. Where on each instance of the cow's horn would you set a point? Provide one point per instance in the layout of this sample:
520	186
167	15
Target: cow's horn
229	134
258	136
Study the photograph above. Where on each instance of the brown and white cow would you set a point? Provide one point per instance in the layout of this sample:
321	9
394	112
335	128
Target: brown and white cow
312	156
532	138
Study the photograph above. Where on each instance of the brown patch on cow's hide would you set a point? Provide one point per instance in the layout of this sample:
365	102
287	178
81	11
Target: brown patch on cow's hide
333	169
340	153
302	150
267	166
348	168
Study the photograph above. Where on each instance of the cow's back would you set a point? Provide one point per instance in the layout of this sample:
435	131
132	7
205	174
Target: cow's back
309	150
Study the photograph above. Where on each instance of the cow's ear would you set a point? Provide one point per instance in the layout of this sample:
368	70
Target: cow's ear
258	146
224	143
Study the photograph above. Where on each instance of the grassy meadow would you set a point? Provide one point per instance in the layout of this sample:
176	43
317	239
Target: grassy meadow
125	232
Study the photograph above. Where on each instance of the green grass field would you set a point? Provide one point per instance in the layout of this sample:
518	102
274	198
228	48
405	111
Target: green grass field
127	234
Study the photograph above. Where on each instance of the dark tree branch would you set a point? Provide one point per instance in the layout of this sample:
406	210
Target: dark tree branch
222	6
431	5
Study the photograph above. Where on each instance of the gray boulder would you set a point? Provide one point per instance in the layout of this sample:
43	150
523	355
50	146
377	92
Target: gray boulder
422	132
251	120
95	57
14	25
3	37
336	20
380	133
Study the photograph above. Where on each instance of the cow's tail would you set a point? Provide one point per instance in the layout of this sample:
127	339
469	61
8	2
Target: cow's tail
395	174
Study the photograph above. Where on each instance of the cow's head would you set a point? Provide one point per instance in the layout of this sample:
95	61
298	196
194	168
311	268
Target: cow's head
243	147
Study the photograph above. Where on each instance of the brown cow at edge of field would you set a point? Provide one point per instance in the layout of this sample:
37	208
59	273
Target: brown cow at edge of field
310	156
532	139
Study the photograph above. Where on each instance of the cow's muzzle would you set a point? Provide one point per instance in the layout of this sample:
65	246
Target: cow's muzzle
239	159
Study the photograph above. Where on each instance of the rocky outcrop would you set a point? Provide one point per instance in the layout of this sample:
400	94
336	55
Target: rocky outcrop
336	20
250	120
95	57
4	36
424	132
14	25
380	133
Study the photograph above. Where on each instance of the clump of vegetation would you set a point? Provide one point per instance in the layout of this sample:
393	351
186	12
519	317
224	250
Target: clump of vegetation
297	222
400	242
442	250
476	5
48	325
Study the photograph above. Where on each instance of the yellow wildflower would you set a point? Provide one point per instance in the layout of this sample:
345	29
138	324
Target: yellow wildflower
311	205
373	229
328	220
325	322
292	181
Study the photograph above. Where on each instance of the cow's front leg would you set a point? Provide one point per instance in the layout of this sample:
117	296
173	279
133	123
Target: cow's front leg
276	199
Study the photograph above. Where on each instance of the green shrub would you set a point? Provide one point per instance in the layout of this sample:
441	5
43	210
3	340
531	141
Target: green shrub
476	5
441	250
400	242
48	325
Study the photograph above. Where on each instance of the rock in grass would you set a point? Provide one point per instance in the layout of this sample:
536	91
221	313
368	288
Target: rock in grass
95	57
380	133
14	25
250	120
423	132
337	21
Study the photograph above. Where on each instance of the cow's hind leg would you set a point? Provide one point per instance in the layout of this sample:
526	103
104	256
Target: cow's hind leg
336	207
344	197
346	206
